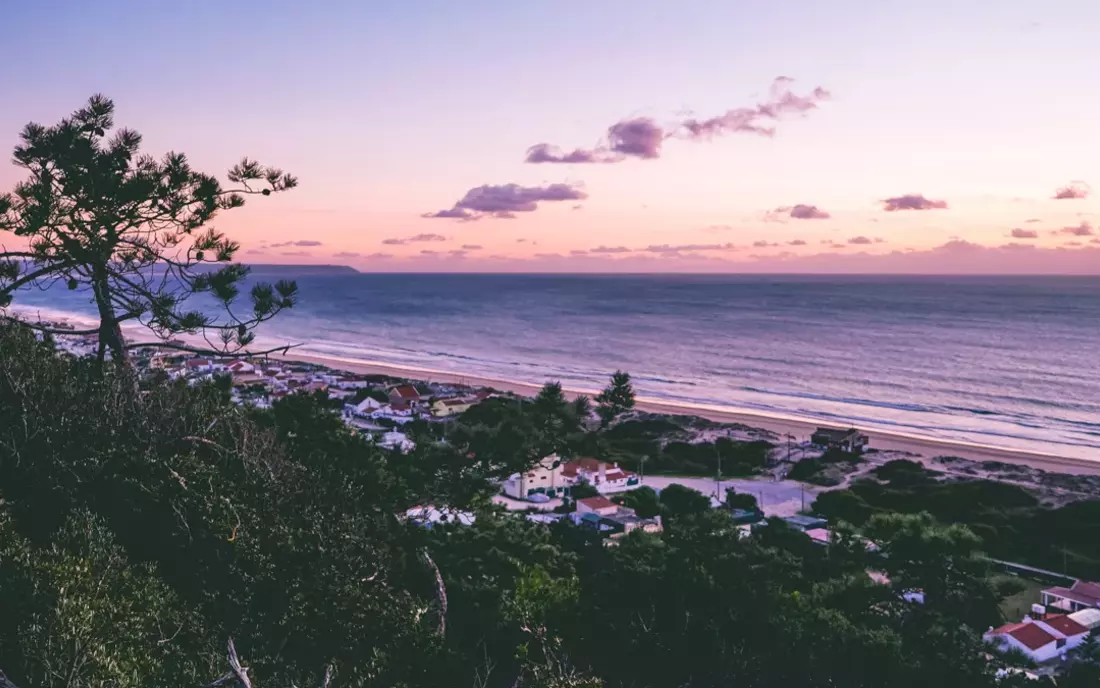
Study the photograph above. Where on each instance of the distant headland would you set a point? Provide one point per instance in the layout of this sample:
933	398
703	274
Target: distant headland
268	269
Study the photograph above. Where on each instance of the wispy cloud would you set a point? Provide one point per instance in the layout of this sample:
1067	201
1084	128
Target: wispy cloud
680	248
610	249
860	241
503	201
346	254
911	202
1032	220
796	242
379	256
642	137
295	253
763	244
800	211
1073	190
302	243
415	239
1083	229
471	247
1024	234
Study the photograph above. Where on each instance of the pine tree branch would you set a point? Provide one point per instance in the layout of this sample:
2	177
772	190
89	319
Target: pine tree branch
440	592
5	682
212	351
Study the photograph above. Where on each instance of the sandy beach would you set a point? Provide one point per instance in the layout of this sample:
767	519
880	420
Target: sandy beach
799	429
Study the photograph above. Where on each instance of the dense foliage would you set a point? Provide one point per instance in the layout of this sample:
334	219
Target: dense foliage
1010	521
139	533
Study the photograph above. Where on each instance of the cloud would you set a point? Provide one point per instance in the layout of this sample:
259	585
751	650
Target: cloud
1024	234
457	253
255	251
1073	243
1095	241
808	212
545	152
455	213
303	243
471	247
503	201
1073	190
578	252
346	254
415	239
295	253
666	248
763	244
1034	219
610	249
643	137
428	252
860	241
379	256
911	202
578	207
1083	229
796	242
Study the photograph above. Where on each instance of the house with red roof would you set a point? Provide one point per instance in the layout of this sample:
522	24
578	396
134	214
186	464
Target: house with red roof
404	394
601	506
598	474
1040	639
1081	595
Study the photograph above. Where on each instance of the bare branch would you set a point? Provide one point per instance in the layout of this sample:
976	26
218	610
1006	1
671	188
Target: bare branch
5	682
212	351
440	592
328	676
44	328
235	665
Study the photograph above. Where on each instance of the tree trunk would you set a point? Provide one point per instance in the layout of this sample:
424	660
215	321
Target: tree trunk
110	332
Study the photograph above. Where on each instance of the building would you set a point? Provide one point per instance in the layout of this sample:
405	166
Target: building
441	408
610	519
403	394
805	523
599	474
396	440
601	506
368	406
1081	595
850	440
545	477
1040	639
1089	618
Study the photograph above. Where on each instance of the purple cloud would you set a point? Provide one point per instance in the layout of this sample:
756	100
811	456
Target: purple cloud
471	247
1024	234
1073	190
458	253
796	242
610	249
1083	229
763	244
302	243
578	252
642	137
503	201
346	254
808	212
911	202
429	252
666	248
548	153
295	253
379	256
860	241
455	213
415	239
1034	219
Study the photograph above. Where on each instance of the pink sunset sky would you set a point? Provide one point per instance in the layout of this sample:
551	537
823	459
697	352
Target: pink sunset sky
614	136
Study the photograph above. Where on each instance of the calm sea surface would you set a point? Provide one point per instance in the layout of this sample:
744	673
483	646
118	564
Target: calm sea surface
1009	362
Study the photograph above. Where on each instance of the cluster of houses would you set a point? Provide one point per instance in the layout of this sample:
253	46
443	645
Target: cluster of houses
1044	635
553	477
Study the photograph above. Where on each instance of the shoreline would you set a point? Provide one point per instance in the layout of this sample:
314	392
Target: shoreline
925	448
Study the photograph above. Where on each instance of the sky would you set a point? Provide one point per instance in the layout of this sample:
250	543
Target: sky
612	136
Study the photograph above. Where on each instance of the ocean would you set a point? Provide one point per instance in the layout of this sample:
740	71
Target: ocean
1010	362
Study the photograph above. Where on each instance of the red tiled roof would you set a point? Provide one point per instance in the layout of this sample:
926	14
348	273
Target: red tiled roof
1064	625
615	475
1077	593
1030	635
1087	588
406	392
596	502
570	469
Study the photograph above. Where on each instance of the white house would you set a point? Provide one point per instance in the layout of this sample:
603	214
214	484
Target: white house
598	474
396	440
545	477
601	506
1041	639
369	406
1081	595
241	368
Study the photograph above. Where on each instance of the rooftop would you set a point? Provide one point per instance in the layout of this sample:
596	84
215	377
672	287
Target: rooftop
596	502
1030	635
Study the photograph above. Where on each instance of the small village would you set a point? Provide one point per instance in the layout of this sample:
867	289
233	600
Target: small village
589	492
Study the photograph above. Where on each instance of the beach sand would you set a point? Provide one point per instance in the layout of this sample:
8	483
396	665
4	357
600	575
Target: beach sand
923	449
801	430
